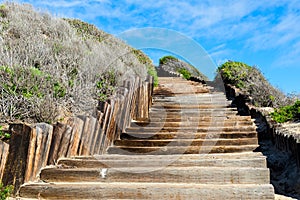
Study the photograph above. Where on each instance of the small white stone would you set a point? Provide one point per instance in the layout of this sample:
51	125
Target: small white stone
103	172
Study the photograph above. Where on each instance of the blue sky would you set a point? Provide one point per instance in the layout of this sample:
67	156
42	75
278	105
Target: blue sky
264	33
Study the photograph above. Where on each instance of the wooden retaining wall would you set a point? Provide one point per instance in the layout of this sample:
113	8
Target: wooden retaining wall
285	140
33	147
282	138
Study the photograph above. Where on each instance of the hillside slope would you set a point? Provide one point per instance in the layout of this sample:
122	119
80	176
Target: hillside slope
251	81
52	67
176	66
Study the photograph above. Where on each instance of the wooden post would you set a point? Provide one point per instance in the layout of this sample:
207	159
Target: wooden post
108	126
44	134
15	167
84	136
65	142
90	134
77	127
3	156
58	132
99	134
102	148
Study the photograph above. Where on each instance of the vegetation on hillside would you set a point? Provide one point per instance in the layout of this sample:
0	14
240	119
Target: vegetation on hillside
146	61
173	64
164	60
5	191
287	113
52	67
251	81
185	73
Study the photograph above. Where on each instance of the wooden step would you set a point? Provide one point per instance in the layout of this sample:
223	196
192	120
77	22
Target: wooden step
200	110
202	175
239	155
191	123
199	119
192	113
192	129
257	162
187	135
190	106
185	142
188	101
133	150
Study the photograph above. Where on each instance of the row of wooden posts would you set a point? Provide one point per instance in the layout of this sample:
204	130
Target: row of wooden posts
283	140
33	147
288	142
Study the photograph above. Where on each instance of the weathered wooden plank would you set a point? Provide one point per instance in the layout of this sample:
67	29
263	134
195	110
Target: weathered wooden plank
15	167
90	135
113	122
128	104
99	134
186	142
180	149
29	175
194	174
176	161
84	135
77	127
4	147
96	137
102	146
65	142
38	151
58	132
161	191
135	95
44	134
110	123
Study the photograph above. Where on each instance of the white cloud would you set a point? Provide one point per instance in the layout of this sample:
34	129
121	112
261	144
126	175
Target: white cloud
252	25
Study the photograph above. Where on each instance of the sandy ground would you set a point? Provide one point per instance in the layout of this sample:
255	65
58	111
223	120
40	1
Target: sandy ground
280	197
284	173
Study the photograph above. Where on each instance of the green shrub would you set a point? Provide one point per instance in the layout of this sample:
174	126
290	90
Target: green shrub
142	57
3	11
25	91
87	31
185	73
106	85
3	134
251	81
165	59
152	72
287	113
5	191
235	73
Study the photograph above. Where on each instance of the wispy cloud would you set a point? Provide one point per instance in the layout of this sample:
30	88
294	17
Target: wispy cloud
238	25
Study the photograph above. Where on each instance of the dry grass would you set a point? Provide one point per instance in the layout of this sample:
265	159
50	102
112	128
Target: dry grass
50	67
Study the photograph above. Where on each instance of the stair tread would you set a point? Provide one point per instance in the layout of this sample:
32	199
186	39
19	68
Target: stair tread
209	175
236	155
180	149
163	191
156	162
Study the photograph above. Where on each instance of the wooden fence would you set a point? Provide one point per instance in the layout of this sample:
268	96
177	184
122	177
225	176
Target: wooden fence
35	146
287	141
282	138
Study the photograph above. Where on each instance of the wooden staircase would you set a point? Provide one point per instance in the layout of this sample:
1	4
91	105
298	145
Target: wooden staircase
193	146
